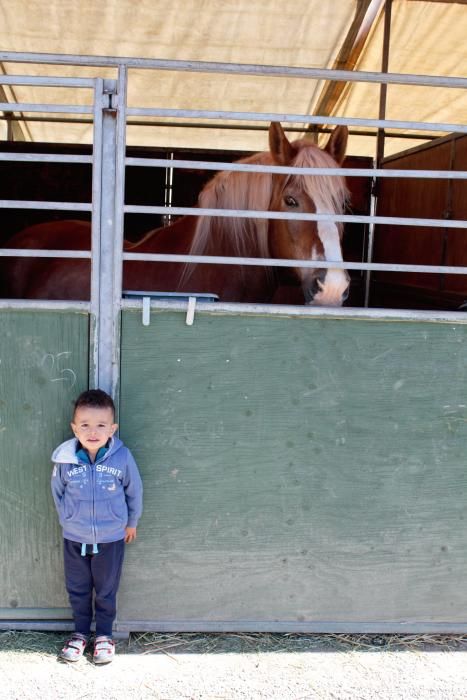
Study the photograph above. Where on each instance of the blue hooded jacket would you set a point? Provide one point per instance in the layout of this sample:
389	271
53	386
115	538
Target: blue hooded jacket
96	502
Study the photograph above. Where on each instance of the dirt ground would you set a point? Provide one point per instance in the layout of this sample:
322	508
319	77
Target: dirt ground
240	666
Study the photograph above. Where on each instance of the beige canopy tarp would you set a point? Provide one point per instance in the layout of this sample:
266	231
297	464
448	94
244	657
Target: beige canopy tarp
427	37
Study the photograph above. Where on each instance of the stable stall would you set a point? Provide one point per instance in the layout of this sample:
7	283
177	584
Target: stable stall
304	466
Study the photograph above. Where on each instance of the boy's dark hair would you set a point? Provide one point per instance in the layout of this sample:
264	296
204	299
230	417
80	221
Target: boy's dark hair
94	398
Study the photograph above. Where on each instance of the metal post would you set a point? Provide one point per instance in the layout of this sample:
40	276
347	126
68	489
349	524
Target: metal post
119	103
379	140
105	334
99	104
106	242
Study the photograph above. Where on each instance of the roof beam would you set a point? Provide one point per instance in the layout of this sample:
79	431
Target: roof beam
366	15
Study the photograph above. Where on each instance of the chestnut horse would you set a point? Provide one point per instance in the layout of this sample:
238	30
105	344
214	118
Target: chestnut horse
59	278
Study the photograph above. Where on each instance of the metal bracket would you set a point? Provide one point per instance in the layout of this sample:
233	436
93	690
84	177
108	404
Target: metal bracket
146	311
110	92
190	311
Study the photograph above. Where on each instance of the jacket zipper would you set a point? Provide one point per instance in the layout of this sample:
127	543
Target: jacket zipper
93	472
94	524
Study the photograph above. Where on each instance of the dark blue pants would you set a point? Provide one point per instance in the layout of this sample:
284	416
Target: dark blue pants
94	572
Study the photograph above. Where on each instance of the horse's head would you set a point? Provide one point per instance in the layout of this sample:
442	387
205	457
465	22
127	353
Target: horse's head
322	194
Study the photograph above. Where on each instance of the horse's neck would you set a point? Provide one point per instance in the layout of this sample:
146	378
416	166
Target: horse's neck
239	283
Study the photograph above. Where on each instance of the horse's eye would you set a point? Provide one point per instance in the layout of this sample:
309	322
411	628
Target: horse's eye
290	201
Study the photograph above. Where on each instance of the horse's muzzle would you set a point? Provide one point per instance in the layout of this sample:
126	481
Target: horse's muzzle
327	288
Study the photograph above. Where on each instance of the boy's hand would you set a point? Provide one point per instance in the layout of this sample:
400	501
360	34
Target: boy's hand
130	534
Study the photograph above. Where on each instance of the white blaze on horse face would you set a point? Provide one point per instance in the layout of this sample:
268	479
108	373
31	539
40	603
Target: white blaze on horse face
336	282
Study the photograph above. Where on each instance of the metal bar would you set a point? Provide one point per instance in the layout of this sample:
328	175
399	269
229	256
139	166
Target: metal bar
234	69
119	103
59	206
344	312
301	118
47	81
226	260
281	262
253	214
43	158
100	100
41	253
28	304
205	125
380	142
36	107
370	244
106	248
279	169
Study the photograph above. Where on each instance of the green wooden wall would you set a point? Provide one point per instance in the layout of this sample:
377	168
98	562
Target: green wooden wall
296	469
43	367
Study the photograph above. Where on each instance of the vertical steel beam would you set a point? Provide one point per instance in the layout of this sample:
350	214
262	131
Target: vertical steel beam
105	337
107	232
100	103
119	103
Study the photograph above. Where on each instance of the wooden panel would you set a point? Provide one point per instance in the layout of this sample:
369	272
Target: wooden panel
43	367
418	199
456	246
399	244
296	470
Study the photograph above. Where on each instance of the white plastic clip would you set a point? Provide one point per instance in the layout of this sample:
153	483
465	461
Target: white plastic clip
146	311
190	312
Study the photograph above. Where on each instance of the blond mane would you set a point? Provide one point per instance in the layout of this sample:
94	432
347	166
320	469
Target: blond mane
239	190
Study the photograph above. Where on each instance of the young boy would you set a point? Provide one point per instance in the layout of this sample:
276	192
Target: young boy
97	491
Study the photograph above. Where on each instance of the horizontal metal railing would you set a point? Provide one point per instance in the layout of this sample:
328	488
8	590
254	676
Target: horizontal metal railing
282	170
300	118
43	253
44	158
345	265
132	62
58	206
231	69
49	305
254	214
59	82
47	81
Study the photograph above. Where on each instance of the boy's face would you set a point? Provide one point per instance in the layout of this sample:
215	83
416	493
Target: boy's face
93	427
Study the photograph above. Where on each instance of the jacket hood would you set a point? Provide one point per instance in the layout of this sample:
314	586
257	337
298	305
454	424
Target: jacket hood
66	452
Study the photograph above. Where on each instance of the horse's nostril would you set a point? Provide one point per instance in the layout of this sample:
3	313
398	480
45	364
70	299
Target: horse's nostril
345	294
317	283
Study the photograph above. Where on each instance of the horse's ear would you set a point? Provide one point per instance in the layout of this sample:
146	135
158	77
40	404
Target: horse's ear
337	144
279	145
